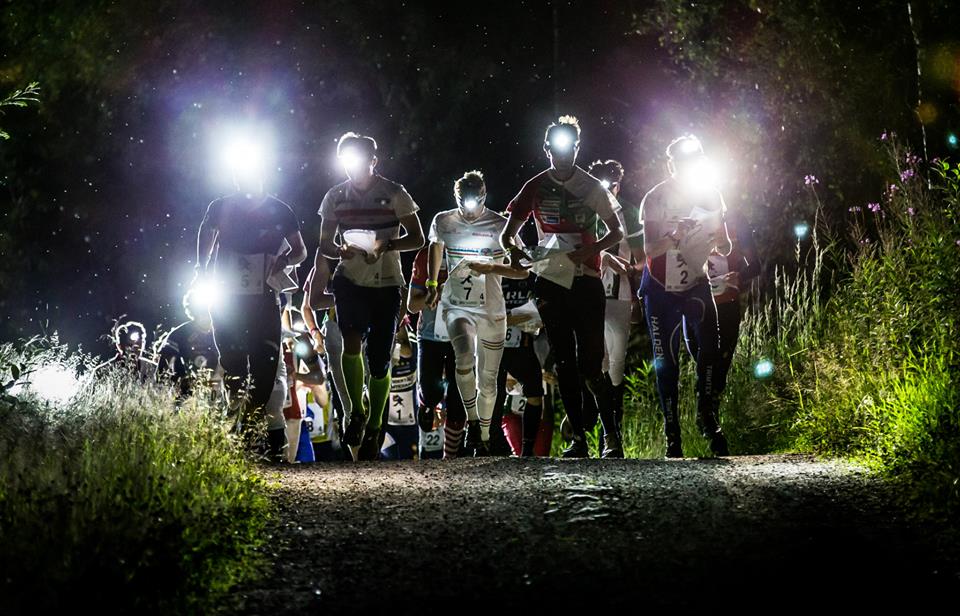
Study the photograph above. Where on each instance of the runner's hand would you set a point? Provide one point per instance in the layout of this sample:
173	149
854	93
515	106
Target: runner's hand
379	247
581	254
516	254
732	279
432	297
349	251
618	265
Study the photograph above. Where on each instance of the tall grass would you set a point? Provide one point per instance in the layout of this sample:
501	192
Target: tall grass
870	371
120	498
885	382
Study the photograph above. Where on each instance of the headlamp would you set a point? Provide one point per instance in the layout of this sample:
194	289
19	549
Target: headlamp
561	140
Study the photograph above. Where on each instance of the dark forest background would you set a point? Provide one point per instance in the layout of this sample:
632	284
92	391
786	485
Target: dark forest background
105	180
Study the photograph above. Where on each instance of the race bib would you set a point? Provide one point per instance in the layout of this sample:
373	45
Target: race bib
678	275
242	274
402	409
515	403
465	288
431	441
512	339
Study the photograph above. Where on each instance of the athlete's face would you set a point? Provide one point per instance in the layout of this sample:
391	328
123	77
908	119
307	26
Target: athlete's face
561	149
471	203
357	164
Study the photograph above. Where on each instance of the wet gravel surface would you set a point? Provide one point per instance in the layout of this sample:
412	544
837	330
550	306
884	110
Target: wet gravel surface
494	534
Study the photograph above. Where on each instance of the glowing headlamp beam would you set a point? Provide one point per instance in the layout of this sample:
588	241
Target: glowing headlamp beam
561	141
352	160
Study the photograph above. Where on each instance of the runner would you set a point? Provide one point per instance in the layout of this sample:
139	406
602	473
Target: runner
402	435
436	363
683	222
256	240
366	213
472	306
520	364
728	275
130	340
617	266
568	205
327	338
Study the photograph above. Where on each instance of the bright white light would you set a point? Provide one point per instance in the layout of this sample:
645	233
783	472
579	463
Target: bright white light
763	369
244	157
134	336
54	383
302	349
801	229
700	175
690	145
299	326
561	141
471	203
206	294
353	160
242	152
606	184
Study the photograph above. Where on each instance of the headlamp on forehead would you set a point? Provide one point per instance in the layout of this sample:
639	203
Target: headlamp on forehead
561	139
471	200
353	159
606	184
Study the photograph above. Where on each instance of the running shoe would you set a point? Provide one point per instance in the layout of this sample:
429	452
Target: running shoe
577	449
612	448
370	446
425	418
718	444
473	438
674	449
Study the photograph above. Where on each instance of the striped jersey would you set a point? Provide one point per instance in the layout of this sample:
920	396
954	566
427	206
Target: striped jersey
573	208
472	241
375	212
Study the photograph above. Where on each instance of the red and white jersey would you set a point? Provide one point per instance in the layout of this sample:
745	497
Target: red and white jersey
574	208
371	215
471	241
680	268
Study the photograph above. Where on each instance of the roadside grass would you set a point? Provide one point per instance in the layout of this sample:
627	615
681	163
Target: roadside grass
119	498
863	337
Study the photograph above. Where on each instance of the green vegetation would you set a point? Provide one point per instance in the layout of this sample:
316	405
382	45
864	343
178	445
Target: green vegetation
119	498
870	372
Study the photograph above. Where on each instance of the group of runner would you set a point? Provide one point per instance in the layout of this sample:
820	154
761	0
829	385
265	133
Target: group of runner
492	309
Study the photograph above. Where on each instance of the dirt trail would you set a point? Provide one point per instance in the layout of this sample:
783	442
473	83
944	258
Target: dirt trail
491	534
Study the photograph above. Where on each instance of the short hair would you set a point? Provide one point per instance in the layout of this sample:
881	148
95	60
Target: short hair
470	179
123	331
606	170
565	122
684	146
351	139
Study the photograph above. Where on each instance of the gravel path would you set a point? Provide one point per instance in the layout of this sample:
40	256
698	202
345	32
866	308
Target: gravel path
493	534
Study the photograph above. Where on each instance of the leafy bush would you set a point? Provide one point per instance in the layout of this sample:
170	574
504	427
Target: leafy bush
118	497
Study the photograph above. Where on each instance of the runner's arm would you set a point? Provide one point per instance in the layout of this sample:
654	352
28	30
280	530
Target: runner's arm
413	239
206	242
508	237
328	234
